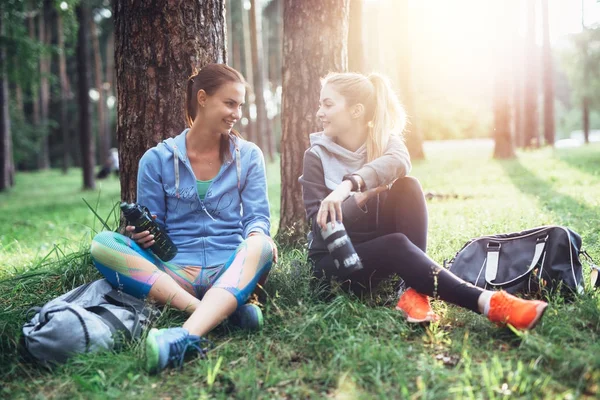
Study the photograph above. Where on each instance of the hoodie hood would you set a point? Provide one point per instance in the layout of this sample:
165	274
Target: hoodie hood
337	161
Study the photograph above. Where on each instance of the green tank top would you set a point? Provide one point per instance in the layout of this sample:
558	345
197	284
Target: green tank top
203	188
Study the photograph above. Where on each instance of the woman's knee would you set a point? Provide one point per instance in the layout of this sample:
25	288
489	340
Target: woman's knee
101	241
262	245
407	184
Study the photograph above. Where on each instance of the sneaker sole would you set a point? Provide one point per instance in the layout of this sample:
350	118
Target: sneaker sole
539	317
152	351
415	320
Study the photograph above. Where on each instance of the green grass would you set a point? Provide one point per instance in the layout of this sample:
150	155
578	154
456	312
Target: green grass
344	348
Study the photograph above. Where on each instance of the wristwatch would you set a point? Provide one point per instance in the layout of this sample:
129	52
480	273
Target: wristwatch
356	186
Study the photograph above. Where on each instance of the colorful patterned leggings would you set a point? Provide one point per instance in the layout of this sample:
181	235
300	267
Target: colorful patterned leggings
134	270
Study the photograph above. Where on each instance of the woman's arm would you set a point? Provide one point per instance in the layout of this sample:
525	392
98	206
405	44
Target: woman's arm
394	163
314	191
255	201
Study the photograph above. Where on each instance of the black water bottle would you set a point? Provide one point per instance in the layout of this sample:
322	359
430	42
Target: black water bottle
340	247
140	217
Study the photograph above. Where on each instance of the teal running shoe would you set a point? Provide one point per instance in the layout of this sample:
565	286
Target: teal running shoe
248	317
166	347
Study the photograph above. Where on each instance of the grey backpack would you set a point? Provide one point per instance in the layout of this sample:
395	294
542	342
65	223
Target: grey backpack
90	318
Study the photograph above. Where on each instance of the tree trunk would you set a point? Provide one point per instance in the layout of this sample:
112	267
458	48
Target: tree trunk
502	135
64	94
549	130
103	138
83	87
530	112
403	49
356	43
6	164
44	39
158	45
110	83
586	119
315	39
518	64
263	128
251	132
34	85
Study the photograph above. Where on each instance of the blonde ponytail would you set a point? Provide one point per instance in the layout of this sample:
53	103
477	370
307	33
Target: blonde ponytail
389	117
383	112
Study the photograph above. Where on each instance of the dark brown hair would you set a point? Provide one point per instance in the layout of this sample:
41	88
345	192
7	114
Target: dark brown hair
210	78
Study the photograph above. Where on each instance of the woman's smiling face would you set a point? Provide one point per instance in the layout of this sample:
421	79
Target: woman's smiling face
333	112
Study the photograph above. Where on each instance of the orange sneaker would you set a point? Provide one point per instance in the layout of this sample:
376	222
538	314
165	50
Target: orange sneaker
416	307
520	313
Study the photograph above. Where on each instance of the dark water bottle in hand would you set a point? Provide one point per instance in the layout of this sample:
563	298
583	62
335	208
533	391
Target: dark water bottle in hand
340	247
140	217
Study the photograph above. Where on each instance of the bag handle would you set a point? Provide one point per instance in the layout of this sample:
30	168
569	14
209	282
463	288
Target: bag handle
114	323
493	257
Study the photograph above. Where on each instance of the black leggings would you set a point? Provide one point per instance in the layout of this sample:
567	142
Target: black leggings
399	249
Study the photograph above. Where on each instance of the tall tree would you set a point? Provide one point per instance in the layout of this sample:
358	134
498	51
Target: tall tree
34	86
263	128
356	43
315	38
83	88
585	101
403	48
549	130
152	69
530	112
44	39
518	57
104	138
251	131
502	84
6	165
64	92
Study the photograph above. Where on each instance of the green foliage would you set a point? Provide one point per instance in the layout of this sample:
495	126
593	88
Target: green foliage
341	348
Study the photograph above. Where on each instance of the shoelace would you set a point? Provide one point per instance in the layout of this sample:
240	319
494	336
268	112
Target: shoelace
178	348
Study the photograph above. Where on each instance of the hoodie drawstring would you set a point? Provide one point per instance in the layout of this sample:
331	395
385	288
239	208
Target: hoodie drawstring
238	167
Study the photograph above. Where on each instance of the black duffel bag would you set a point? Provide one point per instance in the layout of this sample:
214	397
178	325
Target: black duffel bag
525	262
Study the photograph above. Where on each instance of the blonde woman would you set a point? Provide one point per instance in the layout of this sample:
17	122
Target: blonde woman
355	172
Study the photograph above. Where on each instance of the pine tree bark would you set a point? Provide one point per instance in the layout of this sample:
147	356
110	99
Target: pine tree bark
315	40
530	111
6	164
356	44
44	39
158	45
83	87
549	129
502	134
34	86
250	130
518	68
103	138
263	128
64	94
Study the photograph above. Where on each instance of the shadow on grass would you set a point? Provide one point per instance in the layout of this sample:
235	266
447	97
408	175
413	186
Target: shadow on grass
567	209
582	158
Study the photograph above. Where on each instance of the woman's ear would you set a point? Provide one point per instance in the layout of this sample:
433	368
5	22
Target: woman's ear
358	110
201	97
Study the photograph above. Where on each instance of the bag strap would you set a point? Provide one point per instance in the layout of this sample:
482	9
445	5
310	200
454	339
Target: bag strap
493	257
112	321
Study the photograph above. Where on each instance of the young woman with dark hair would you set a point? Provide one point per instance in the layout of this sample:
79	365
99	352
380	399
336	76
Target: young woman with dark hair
207	189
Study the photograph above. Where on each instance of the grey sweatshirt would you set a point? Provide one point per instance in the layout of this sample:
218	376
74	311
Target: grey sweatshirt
325	165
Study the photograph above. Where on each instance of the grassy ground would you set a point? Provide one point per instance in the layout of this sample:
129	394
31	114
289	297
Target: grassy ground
344	348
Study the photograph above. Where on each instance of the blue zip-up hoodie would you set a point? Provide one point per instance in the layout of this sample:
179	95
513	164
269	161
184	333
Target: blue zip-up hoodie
206	232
